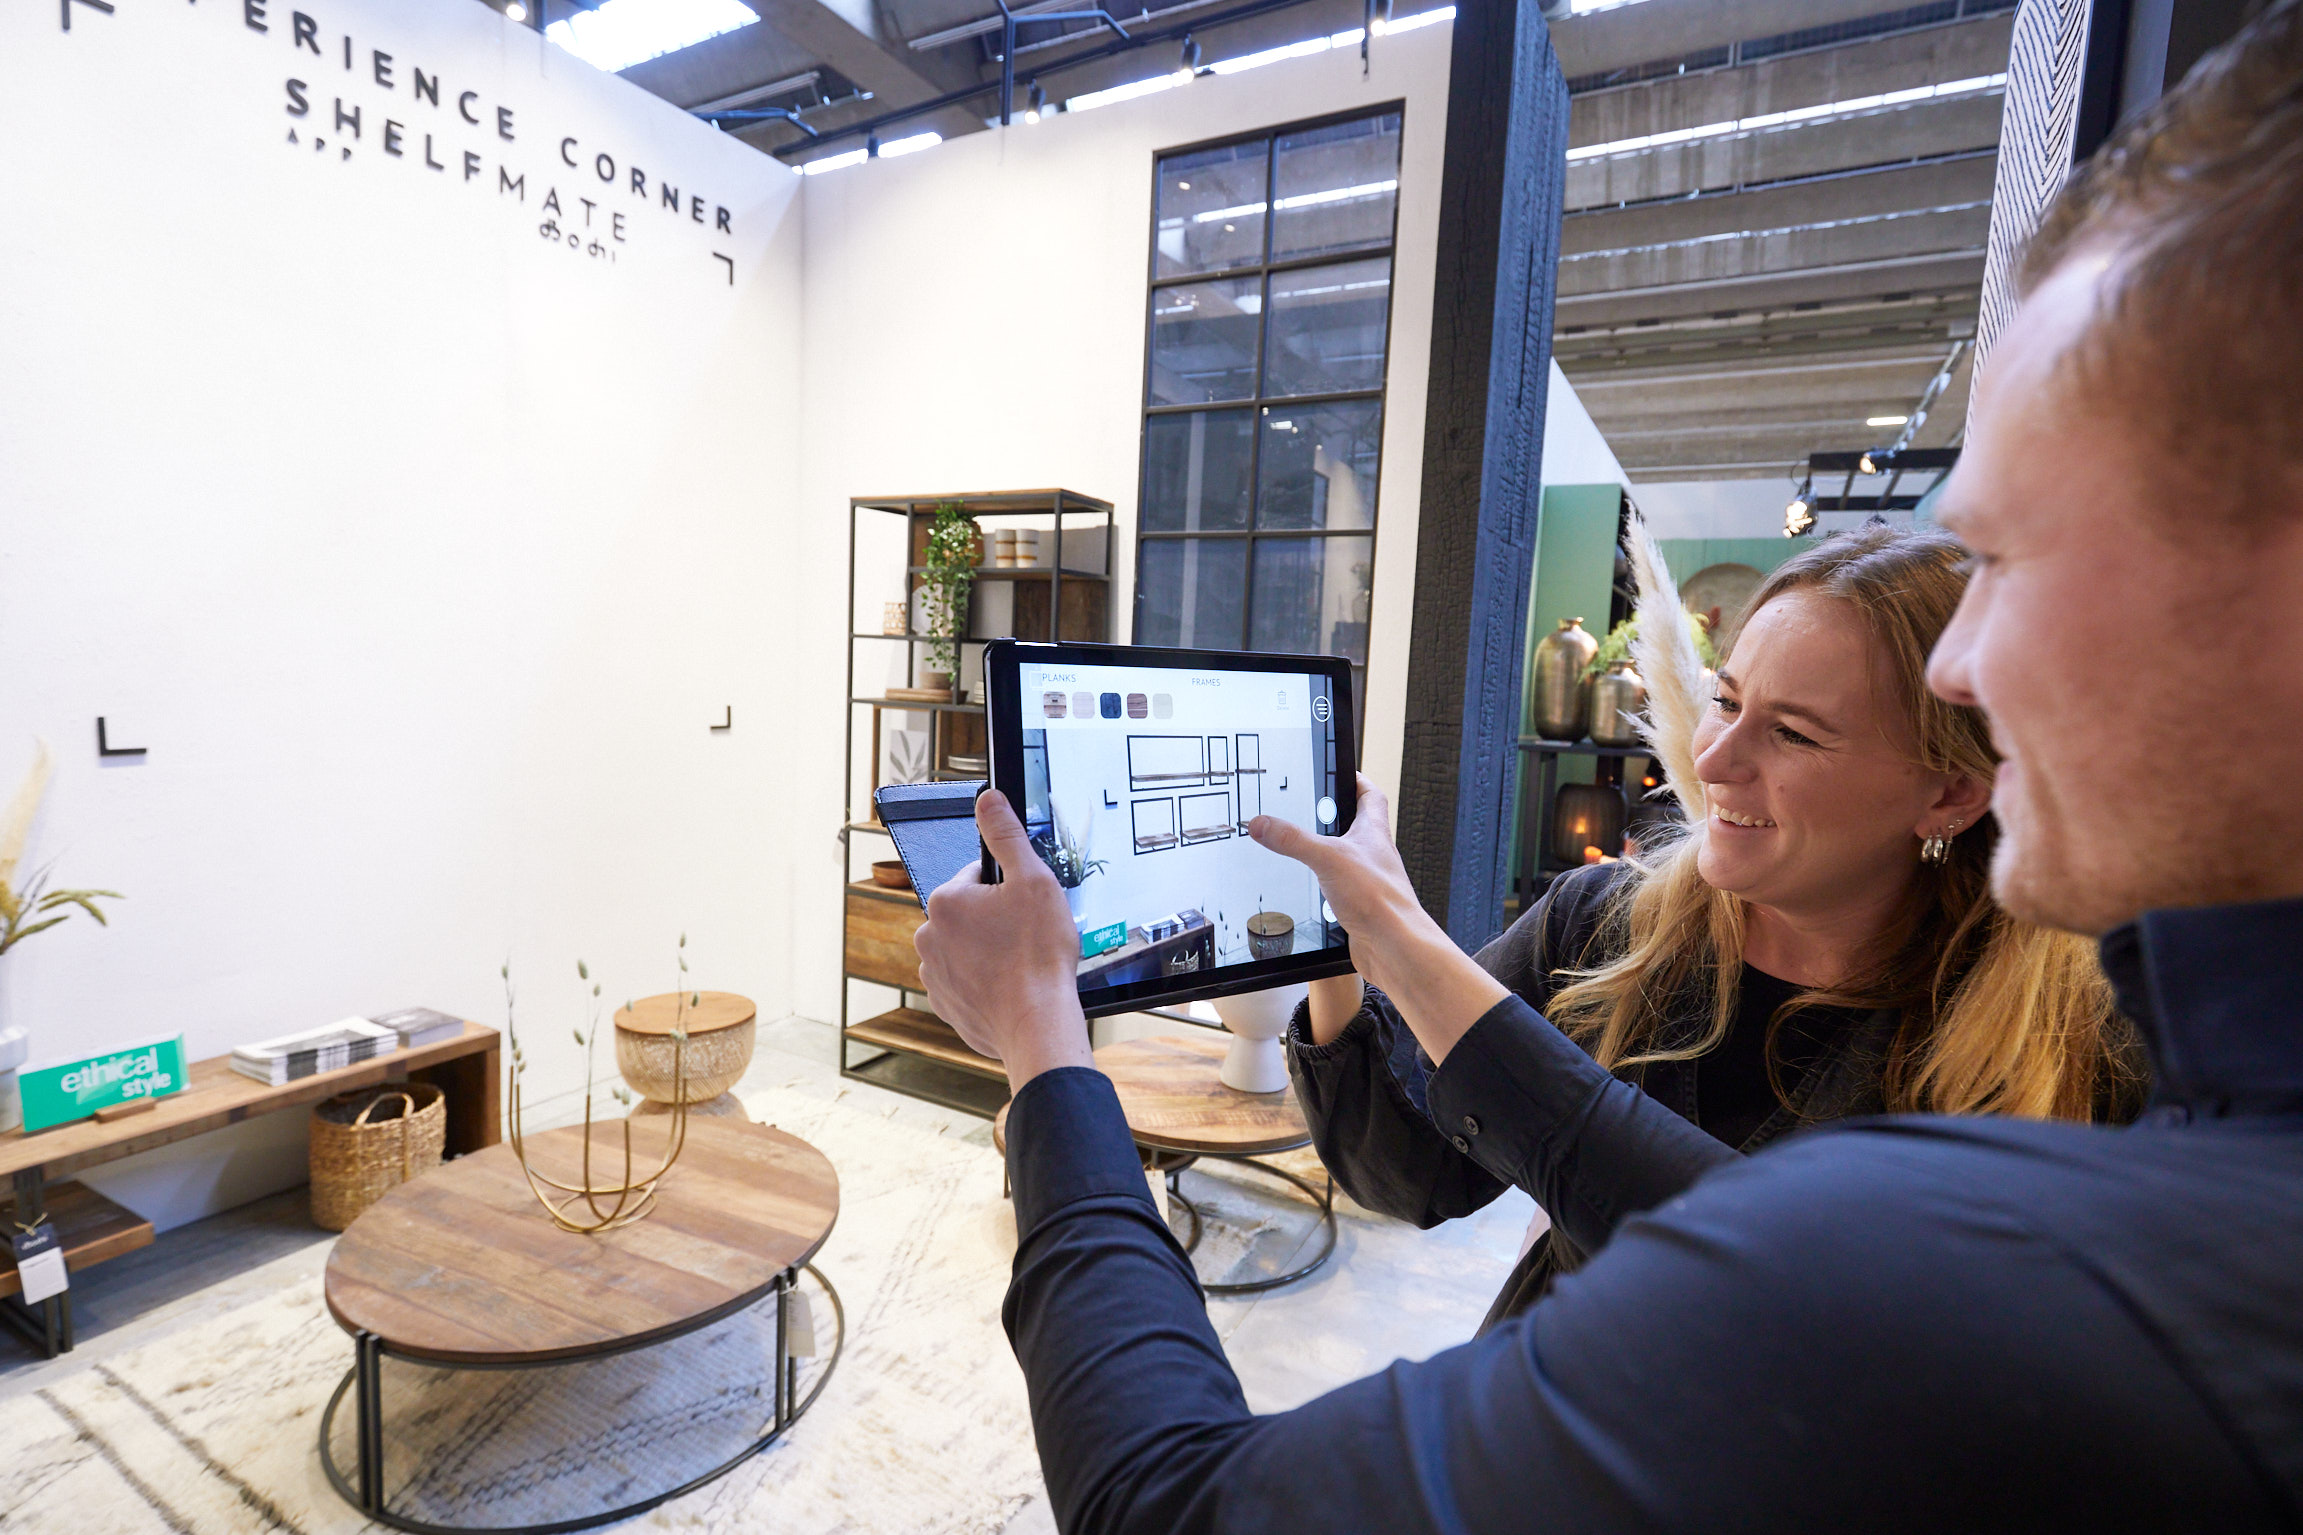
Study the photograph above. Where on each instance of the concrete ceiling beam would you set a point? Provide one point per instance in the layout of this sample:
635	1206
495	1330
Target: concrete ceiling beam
1665	29
1921	130
1734	257
794	35
1861	194
1862	279
1899	61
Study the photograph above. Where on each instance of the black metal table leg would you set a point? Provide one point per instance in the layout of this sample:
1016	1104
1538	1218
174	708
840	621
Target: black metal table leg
364	1382
368	1418
1323	1202
777	1393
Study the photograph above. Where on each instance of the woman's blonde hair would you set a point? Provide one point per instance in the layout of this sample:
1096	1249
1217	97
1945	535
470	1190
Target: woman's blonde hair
1997	1016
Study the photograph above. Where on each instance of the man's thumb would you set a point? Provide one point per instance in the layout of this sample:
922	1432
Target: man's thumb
996	823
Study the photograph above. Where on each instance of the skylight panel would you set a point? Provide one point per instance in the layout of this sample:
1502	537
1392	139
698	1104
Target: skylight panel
622	33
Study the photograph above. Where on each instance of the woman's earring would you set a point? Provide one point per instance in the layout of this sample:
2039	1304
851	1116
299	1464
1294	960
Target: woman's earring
1937	848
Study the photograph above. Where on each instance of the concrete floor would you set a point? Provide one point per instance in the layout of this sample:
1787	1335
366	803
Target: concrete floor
1390	1292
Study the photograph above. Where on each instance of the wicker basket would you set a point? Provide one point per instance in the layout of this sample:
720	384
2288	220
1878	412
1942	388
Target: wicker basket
367	1142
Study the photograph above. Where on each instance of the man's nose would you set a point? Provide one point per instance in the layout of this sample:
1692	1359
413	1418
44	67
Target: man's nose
1949	665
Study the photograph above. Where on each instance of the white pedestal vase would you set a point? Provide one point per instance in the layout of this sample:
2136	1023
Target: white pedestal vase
1255	1062
15	1046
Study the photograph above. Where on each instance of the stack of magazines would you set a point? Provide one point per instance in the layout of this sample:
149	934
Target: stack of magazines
419	1026
340	1044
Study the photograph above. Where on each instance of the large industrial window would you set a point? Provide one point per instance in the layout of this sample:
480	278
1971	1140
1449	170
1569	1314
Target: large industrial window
1269	322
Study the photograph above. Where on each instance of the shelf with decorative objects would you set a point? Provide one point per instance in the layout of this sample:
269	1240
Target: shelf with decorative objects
947	575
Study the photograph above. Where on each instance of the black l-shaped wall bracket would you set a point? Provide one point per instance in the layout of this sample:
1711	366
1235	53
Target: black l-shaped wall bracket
105	748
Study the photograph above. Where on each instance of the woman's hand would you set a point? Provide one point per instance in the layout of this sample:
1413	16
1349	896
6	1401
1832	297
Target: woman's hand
1001	962
1439	989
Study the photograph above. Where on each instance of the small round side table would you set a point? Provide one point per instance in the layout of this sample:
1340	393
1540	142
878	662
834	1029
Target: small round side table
720	1027
1179	1111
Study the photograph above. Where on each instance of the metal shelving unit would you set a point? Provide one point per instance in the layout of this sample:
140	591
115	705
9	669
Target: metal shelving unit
907	1047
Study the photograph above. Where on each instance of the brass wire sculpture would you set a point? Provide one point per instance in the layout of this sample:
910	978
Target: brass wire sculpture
632	1198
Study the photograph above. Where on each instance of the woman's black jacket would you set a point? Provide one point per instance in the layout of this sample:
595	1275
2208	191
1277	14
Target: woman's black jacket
1364	1096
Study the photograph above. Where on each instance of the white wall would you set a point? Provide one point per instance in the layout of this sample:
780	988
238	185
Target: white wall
419	550
975	321
1714	508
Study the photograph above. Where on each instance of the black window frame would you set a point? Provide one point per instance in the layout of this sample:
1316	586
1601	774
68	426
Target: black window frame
1259	405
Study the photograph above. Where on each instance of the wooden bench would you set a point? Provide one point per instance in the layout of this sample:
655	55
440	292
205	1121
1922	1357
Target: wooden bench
467	1069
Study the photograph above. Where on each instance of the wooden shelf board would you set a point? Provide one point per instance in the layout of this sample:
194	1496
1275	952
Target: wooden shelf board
914	1032
880	892
91	1227
991	503
1021	573
919	705
215	1097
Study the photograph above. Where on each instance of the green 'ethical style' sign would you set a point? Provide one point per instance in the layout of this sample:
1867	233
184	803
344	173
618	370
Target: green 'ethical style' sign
55	1095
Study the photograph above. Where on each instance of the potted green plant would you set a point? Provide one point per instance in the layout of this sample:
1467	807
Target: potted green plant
954	545
28	909
1066	854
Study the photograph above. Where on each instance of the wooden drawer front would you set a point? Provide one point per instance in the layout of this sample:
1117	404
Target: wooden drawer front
880	939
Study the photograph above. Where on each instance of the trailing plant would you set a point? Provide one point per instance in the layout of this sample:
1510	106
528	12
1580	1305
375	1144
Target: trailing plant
632	1198
33	907
950	571
1617	646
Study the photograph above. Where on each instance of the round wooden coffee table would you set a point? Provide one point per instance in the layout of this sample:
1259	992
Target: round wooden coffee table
1179	1110
462	1269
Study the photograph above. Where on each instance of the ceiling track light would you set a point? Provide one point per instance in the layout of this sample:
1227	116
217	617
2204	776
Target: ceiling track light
1036	103
1799	516
516	11
1190	65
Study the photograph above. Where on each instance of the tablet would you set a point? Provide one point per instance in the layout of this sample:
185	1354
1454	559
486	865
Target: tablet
1136	770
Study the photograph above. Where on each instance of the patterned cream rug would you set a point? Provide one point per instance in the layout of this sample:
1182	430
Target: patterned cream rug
923	1427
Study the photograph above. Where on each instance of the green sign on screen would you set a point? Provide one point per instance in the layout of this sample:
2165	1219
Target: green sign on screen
1102	940
55	1095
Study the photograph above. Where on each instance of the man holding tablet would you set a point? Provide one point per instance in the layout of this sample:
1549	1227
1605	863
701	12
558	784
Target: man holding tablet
1912	1323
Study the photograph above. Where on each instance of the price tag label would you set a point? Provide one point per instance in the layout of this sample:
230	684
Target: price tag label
40	1263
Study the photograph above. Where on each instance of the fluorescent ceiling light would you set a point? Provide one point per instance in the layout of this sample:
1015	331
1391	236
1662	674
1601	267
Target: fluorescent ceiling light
835	162
1796	115
1247	61
1127	92
1419	19
1885	420
907	146
622	33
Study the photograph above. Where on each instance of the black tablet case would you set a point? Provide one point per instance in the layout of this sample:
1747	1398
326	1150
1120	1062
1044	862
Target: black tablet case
933	826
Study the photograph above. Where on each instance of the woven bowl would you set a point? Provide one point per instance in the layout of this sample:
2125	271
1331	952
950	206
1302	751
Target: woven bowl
717	1053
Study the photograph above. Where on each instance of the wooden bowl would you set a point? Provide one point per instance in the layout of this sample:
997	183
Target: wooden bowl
892	873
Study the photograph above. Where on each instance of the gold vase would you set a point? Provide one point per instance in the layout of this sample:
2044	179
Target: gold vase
1617	697
1557	698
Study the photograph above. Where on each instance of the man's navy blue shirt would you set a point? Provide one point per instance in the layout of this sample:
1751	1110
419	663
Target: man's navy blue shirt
1903	1323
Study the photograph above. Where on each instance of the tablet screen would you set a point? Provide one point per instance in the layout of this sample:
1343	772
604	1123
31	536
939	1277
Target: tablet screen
1138	780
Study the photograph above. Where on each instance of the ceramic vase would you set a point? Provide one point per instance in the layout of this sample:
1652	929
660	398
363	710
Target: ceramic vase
1557	697
1255	1063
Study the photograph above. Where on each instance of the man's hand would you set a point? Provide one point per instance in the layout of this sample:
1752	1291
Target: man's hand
1439	989
1001	961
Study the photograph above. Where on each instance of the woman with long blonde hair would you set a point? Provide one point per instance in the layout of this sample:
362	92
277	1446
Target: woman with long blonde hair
1819	942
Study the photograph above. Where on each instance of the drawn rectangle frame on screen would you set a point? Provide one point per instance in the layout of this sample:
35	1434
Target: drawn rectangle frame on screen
1204	830
1166	767
1163	838
1333	704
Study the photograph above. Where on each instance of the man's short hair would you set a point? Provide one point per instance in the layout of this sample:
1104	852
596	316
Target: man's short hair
2199	205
